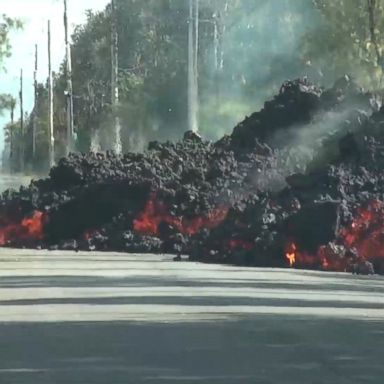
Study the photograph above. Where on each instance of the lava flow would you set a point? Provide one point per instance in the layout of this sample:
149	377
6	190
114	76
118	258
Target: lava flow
366	232
362	239
155	212
302	259
290	254
28	229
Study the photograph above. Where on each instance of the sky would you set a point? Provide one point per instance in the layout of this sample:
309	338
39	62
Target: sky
35	15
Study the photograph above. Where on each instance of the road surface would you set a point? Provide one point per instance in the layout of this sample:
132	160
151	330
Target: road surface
99	318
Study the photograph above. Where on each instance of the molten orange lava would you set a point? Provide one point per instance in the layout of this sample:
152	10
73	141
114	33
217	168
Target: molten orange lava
291	258
30	228
156	212
290	254
365	235
366	232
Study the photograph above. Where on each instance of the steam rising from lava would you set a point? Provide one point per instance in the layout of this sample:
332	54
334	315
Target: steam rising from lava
227	201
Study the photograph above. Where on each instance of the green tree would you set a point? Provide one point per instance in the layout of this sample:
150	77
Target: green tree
247	48
7	24
238	64
7	102
349	39
152	72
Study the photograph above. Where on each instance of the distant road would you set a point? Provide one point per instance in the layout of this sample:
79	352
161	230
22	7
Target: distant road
107	318
12	181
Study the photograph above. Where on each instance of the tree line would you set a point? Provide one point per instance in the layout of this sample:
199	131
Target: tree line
246	49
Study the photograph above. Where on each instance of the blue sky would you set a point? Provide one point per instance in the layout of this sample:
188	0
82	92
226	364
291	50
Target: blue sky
35	15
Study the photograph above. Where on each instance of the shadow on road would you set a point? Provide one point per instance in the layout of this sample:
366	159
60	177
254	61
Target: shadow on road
258	350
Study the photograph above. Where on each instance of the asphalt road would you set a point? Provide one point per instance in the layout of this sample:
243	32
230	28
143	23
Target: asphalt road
120	319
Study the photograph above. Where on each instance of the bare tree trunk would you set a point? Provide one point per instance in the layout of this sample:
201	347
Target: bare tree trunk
193	43
22	146
117	145
34	123
95	137
191	126
219	30
11	145
95	141
51	139
195	64
69	91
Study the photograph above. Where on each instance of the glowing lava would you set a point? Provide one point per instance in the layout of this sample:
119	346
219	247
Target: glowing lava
156	212
363	236
290	254
29	229
366	232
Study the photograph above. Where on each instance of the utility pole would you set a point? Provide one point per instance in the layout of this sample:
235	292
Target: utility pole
12	144
95	138
51	139
219	31
34	124
195	64
219	21
193	43
69	91
21	123
191	125
114	77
